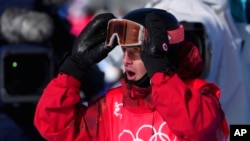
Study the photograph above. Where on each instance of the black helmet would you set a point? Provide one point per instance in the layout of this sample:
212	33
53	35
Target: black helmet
169	20
139	16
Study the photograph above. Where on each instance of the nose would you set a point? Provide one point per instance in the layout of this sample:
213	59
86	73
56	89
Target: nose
126	58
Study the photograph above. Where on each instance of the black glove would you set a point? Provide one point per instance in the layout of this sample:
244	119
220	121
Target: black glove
155	50
89	47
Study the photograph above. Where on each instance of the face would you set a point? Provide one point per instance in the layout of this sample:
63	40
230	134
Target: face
133	65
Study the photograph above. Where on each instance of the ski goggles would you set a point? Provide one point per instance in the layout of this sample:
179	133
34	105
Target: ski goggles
129	33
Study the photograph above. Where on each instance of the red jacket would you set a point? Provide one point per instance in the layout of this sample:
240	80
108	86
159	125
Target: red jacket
173	108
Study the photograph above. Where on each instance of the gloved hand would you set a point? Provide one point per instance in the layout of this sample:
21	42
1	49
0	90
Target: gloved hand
89	47
154	52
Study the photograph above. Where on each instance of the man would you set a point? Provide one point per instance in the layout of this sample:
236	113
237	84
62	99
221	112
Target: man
161	96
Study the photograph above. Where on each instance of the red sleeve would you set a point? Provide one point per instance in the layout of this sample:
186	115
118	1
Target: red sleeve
192	114
59	113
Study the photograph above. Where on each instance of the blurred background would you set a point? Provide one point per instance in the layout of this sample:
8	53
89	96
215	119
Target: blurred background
36	34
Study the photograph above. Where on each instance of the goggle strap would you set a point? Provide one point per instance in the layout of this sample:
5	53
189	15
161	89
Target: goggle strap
176	35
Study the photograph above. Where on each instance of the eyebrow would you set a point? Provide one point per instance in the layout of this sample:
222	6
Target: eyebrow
135	48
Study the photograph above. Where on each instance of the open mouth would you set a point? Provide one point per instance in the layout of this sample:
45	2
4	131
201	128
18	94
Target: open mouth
130	75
